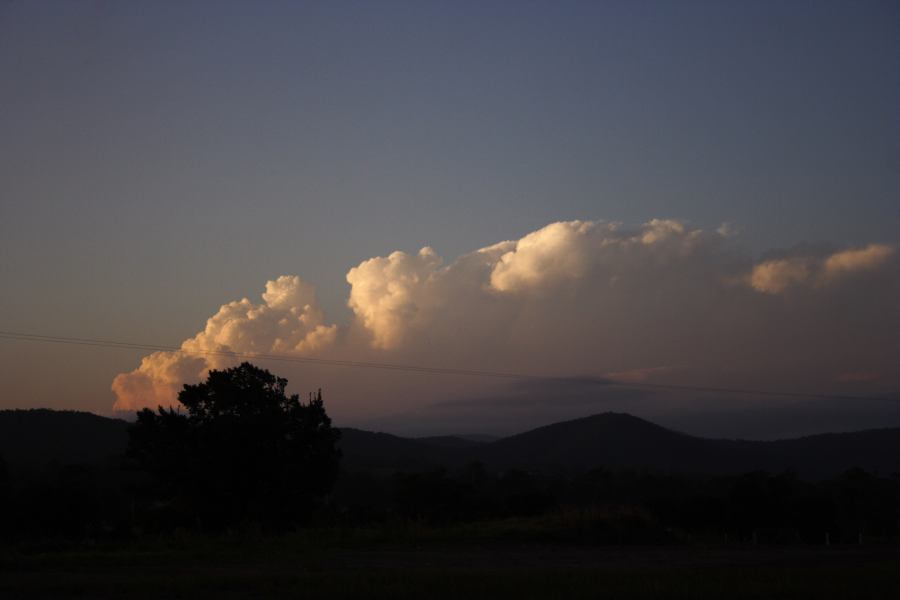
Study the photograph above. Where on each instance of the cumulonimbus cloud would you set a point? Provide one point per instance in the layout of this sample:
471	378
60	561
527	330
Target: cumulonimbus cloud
288	320
384	292
574	297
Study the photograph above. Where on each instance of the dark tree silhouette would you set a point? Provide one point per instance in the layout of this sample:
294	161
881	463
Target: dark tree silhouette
4	494
244	451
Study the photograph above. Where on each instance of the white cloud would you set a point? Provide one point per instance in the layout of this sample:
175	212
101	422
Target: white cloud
775	276
288	321
572	298
778	275
556	252
727	230
386	291
861	259
157	381
394	297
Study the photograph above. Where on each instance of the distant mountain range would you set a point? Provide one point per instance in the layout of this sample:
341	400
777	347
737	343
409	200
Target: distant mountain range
31	438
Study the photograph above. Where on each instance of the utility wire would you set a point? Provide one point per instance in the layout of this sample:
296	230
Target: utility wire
33	337
12	335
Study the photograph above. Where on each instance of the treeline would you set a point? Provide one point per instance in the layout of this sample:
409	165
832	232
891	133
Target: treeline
81	503
58	501
244	454
757	506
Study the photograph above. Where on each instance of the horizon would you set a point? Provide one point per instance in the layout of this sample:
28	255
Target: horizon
687	213
485	437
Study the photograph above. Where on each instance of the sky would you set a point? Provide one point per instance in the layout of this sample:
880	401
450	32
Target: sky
696	193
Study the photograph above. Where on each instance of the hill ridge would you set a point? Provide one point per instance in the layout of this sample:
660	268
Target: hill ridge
609	439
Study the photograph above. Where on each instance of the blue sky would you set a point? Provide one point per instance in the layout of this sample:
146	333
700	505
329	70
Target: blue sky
158	159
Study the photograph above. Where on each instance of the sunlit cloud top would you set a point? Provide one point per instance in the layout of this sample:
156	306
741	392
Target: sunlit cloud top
571	298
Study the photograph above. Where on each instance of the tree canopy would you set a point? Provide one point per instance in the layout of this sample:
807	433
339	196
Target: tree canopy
242	451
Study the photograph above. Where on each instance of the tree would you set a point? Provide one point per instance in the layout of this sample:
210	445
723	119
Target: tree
4	495
244	450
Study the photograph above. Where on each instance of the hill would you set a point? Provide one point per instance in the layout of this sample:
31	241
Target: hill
451	441
617	440
823	455
36	437
612	440
33	438
369	450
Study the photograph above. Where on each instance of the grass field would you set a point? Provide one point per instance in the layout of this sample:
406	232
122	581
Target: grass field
437	563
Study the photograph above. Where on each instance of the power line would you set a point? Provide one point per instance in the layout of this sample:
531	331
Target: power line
14	335
33	337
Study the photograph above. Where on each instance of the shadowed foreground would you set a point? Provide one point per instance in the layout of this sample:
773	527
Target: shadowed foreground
452	571
230	501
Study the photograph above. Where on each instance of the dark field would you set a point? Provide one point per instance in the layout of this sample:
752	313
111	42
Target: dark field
399	526
442	564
